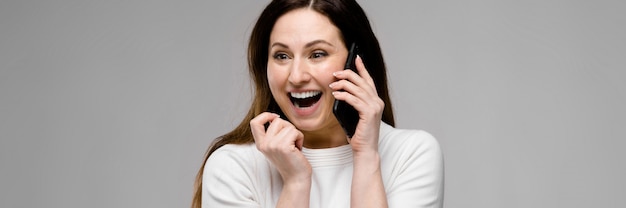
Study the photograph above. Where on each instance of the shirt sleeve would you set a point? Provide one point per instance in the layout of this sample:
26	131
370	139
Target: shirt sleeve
418	173
227	181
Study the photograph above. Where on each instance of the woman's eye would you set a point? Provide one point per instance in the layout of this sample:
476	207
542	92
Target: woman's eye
281	56
318	54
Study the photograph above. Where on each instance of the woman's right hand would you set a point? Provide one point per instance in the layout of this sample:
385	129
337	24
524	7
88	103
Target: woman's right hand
281	144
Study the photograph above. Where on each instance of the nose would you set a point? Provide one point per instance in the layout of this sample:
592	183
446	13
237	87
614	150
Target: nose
299	73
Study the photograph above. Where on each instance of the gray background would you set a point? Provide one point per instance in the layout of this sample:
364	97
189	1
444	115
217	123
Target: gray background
113	103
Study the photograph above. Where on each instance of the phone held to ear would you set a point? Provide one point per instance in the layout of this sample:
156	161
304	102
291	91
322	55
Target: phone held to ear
347	116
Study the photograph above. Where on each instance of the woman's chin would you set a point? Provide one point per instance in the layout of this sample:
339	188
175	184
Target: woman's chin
314	124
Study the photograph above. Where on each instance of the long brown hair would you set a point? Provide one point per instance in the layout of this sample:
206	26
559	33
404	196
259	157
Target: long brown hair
346	15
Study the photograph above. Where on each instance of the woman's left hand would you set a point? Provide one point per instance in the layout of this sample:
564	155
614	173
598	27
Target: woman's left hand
359	91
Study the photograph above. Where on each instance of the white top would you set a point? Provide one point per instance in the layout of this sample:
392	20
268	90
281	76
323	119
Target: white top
411	164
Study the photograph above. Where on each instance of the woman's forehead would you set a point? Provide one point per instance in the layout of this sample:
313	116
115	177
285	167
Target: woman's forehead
304	25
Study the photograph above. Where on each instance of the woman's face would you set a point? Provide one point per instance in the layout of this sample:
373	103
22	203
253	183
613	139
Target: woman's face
305	49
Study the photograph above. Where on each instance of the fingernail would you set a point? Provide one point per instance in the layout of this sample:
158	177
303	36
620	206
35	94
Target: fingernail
336	73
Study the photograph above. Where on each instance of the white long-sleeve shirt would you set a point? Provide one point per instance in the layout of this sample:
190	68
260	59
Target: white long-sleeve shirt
411	165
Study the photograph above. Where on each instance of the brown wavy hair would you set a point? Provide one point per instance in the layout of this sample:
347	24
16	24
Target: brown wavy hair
354	25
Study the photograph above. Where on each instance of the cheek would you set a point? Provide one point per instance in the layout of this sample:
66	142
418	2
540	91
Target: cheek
275	78
326	73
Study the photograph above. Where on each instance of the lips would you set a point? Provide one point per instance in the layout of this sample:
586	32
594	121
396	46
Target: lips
305	99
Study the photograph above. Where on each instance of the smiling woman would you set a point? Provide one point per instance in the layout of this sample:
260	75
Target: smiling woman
306	49
290	150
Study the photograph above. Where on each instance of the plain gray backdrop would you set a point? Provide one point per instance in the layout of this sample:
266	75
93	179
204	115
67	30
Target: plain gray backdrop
113	103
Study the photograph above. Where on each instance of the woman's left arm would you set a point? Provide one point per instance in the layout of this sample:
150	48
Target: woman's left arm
360	92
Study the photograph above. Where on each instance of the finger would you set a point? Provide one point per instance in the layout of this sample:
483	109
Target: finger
360	66
349	98
296	137
276	126
363	104
347	86
299	140
346	76
354	78
257	124
290	137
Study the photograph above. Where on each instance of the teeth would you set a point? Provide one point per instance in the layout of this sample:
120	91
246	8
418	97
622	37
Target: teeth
302	95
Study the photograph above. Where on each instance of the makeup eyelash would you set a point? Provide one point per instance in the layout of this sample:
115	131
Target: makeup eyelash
319	54
280	56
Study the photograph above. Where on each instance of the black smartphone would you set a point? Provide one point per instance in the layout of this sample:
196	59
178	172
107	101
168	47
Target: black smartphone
347	116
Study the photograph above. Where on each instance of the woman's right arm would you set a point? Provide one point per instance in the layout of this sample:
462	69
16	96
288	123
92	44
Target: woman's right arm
282	144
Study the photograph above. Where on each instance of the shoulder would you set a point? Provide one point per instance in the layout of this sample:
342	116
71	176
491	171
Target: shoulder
230	176
410	150
235	161
412	140
234	150
232	156
412	166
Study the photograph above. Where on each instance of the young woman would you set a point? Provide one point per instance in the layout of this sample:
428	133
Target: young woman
290	150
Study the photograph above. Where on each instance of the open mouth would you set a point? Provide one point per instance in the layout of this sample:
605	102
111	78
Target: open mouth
305	99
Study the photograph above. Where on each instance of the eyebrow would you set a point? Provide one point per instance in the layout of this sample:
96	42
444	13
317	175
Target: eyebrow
315	42
308	45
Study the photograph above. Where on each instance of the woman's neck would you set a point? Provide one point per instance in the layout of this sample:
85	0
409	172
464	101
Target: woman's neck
325	138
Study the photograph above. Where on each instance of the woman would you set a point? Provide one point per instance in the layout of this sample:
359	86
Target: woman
290	150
